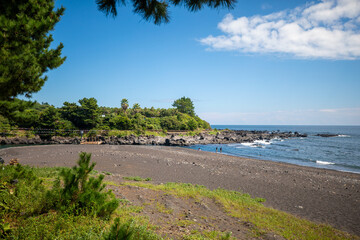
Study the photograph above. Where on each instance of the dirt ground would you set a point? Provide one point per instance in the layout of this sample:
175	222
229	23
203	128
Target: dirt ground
177	216
320	195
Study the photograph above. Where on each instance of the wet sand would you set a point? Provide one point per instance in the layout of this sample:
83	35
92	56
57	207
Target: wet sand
320	195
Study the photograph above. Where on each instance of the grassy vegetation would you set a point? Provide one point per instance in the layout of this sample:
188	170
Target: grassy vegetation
214	131
137	179
63	203
34	204
251	210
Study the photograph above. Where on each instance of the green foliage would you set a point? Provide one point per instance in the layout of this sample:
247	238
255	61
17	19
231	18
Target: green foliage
57	225
84	194
19	112
185	105
192	124
121	122
137	179
119	231
85	116
22	193
170	123
30	210
4	125
71	112
157	11
88	115
124	104
48	118
25	53
136	108
5	228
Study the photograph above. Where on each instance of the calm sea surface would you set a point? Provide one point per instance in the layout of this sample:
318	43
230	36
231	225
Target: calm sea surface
340	153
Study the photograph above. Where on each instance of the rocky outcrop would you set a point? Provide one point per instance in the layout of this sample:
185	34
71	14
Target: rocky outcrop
37	140
326	135
227	137
224	137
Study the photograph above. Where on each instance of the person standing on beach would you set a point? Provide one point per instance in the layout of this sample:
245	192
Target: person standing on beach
216	149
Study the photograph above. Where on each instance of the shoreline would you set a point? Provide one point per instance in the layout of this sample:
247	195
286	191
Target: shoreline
298	165
320	195
186	147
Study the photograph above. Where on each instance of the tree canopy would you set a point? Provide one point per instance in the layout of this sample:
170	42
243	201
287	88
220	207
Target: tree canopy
25	53
158	11
185	105
86	115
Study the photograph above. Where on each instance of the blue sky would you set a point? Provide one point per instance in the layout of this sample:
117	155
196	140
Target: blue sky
263	62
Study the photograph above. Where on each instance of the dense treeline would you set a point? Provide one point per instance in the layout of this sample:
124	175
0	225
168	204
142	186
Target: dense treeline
88	115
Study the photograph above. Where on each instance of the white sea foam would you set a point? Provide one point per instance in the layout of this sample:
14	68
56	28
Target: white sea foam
343	135
248	144
263	142
324	163
257	143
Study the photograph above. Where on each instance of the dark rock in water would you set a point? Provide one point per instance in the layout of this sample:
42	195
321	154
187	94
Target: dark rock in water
326	135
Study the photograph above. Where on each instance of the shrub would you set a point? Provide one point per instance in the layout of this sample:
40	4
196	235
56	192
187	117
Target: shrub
82	194
119	231
21	192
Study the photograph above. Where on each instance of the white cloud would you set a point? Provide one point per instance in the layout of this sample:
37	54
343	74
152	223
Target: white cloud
329	29
337	116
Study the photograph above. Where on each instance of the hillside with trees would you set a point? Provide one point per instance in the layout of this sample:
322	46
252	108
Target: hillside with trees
88	115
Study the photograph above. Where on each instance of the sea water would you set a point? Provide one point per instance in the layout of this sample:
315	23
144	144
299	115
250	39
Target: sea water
340	153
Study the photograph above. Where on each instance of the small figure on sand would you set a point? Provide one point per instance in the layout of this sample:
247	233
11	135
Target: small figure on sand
216	149
199	149
221	150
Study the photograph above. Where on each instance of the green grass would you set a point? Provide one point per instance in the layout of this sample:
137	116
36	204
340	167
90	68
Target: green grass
62	226
248	209
214	132
137	179
26	211
208	235
163	209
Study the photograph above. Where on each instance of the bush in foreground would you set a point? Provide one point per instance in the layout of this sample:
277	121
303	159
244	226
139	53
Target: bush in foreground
76	207
81	193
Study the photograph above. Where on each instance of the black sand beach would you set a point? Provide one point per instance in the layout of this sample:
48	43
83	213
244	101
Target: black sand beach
320	195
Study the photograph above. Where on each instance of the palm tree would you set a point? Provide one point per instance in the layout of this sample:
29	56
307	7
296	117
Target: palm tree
157	11
136	108
124	104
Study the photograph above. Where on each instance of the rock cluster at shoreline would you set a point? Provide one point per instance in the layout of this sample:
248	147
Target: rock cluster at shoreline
224	137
